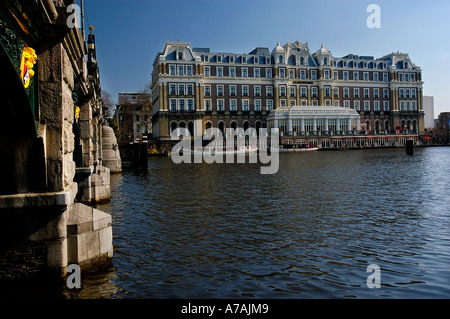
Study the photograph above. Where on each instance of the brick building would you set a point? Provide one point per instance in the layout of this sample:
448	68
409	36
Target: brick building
197	89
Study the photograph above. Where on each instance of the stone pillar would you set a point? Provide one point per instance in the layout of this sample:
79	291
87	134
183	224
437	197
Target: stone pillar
326	124
110	150
314	125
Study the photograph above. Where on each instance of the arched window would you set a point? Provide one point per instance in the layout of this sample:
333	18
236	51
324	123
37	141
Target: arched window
302	60
325	61
222	126
173	126
280	59
191	128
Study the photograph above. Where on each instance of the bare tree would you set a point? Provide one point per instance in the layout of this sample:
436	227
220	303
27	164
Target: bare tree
108	104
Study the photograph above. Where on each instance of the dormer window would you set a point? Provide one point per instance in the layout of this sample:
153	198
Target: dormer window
280	59
219	58
325	61
180	55
302	60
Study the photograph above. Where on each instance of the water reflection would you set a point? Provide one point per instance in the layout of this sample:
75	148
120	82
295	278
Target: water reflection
309	231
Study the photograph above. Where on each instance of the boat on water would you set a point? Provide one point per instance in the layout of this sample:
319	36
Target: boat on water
309	149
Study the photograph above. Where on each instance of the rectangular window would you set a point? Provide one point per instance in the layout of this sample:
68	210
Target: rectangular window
355	76
232	72
269	91
356	93
283	103
245	105
336	92
172	70
302	74
335	75
315	103
326	74
292	91
269	105
244	72
245	90
366	106
386	106
408	92
233	105
173	105
180	89
190	89
220	105
366	76
402	93
256	73
257	105
180	70
282	72
413	93
346	93
376	93
181	105
366	93
207	90
313	75
233	90
303	103
346	103
208	105
172	89
220	90
356	105
189	70
376	106
385	77
303	91
345	75
257	90
190	104
269	73
282	90
386	93
314	92
220	72
207	71
291	74
327	92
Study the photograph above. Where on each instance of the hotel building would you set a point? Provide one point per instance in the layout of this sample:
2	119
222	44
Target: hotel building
198	89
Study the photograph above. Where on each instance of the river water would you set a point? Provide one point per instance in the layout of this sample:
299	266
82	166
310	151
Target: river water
308	231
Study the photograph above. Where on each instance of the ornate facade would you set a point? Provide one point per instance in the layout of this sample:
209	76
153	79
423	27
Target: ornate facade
197	89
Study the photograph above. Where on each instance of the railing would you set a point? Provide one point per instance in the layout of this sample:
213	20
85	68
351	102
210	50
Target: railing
344	133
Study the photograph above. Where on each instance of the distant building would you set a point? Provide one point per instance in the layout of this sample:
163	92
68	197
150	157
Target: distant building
133	115
428	109
196	89
442	131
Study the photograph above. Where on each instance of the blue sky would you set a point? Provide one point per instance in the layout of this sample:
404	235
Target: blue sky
130	33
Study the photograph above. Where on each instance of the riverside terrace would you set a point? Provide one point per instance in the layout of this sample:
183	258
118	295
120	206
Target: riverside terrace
326	127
